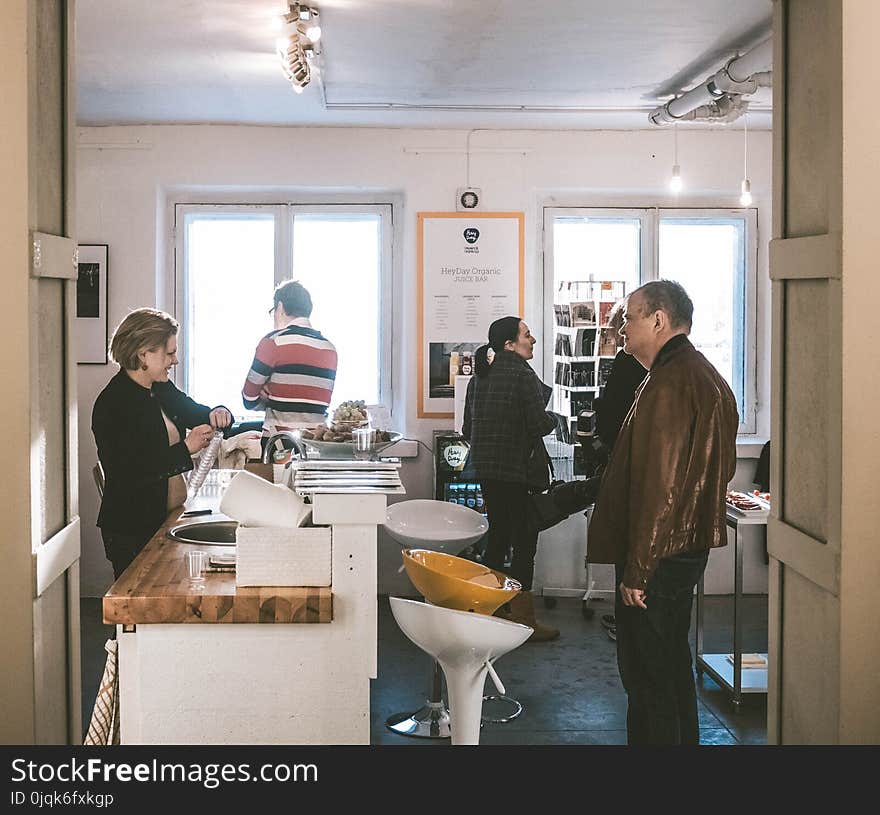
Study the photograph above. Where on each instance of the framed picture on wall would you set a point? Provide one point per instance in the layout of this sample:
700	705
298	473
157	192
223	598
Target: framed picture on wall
470	272
91	323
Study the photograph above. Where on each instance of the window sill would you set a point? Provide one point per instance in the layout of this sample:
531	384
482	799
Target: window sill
749	445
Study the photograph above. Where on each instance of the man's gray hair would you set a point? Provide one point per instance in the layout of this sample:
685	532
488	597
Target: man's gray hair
668	296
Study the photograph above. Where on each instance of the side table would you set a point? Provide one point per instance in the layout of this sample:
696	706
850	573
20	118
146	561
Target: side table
733	677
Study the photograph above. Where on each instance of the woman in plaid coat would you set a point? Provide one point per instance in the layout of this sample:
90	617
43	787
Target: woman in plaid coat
504	421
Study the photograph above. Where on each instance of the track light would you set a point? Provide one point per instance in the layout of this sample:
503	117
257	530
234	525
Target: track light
294	64
308	22
297	46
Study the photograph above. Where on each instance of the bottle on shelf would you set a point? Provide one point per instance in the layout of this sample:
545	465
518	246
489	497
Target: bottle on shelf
471	496
467	363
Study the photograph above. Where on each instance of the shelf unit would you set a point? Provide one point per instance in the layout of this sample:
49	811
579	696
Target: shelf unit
736	679
583	349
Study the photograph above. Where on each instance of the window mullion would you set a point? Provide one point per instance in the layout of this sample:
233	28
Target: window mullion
284	243
653	266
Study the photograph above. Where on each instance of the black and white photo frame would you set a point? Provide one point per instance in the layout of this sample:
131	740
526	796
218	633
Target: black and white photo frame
91	323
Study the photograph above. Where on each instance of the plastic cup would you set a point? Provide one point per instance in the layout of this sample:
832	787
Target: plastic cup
363	439
196	563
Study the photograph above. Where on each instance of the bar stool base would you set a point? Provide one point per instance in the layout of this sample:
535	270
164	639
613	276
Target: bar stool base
429	722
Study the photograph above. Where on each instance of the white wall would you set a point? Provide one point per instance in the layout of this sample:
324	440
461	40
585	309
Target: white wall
127	175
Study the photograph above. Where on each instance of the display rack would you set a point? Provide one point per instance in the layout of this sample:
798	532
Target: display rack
584	349
583	352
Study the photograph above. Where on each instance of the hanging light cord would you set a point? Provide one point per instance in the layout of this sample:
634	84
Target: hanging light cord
745	146
675	144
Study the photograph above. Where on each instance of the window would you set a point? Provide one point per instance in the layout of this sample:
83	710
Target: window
712	253
231	257
707	256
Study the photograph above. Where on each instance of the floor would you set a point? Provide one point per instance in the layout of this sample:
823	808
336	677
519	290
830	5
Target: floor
569	688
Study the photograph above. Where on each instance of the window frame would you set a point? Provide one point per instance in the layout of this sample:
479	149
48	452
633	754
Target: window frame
650	218
284	214
748	423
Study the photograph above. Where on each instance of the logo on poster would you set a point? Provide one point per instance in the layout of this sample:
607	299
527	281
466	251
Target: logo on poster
471	234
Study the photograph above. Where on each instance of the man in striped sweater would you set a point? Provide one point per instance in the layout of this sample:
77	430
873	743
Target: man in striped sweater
294	366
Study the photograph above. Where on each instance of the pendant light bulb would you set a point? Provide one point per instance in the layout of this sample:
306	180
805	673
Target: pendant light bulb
675	183
745	197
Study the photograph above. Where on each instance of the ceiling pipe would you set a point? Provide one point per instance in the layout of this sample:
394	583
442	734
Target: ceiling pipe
734	79
726	109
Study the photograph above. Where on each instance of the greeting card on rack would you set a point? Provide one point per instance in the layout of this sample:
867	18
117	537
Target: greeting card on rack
583	313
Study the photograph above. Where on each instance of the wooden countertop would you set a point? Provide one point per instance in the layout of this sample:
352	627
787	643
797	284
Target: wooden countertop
155	589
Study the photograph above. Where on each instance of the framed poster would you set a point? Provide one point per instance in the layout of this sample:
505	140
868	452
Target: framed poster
91	322
470	273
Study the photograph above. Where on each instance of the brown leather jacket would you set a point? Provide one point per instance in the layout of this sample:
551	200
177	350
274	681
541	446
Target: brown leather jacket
663	490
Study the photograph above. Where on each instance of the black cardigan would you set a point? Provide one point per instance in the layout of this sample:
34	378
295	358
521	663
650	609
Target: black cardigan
133	449
617	396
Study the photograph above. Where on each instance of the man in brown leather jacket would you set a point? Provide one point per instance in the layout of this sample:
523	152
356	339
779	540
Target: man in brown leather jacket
661	509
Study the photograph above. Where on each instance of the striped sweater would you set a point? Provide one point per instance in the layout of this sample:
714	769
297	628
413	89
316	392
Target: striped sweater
291	377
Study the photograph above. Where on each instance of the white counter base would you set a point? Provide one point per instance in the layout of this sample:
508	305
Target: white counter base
263	683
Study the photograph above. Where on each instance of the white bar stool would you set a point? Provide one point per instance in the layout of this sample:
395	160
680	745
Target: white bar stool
466	645
443	527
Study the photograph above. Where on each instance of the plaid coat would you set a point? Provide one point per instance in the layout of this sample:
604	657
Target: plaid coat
504	418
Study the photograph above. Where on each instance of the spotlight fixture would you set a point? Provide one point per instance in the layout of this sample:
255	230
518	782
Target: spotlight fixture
675	183
745	197
298	44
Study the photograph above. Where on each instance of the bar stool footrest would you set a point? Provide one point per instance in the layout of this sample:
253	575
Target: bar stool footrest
516	709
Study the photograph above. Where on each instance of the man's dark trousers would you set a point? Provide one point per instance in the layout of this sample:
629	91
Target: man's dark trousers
654	655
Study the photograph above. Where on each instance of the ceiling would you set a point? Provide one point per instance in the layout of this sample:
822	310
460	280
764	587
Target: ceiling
560	64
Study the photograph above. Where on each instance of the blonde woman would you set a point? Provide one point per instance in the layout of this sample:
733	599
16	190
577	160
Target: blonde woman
140	423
